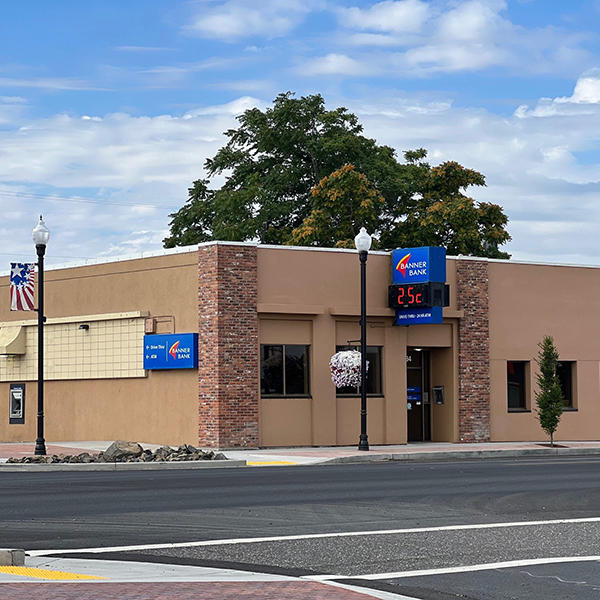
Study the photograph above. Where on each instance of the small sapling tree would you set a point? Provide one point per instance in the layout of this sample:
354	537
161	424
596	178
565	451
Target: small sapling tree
549	396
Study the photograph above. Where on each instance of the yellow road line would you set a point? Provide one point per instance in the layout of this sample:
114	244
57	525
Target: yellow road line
45	573
270	462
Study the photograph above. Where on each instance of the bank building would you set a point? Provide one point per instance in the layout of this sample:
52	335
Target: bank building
228	344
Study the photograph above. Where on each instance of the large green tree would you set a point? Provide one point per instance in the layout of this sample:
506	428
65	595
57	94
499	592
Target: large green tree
282	166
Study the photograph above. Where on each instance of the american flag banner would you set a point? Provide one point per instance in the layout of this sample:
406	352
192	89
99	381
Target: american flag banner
22	280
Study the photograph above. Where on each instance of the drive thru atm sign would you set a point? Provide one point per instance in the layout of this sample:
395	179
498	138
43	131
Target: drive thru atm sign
173	351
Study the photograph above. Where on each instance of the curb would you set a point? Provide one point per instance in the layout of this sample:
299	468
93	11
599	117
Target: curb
116	466
462	454
12	558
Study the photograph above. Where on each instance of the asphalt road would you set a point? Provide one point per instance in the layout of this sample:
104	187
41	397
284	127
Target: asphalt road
80	510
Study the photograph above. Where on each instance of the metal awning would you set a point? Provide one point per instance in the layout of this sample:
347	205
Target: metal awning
12	340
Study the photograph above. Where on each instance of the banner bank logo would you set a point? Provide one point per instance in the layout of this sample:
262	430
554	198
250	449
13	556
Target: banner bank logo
180	353
414	268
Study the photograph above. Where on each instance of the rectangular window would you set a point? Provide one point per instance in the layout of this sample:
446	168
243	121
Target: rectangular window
516	378
374	386
564	372
284	370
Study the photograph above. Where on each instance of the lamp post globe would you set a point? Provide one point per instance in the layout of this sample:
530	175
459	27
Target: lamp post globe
40	236
363	240
40	233
363	244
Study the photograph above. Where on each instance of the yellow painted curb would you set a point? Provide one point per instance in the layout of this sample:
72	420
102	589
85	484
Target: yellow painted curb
45	573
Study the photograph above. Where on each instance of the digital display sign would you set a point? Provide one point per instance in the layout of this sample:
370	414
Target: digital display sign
410	295
418	295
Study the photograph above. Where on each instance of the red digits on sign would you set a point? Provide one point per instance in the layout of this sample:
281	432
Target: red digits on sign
400	295
419	298
411	296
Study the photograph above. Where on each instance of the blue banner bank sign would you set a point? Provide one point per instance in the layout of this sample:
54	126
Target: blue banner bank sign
172	351
410	266
419	265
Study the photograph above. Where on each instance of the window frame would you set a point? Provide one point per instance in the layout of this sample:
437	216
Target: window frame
572	405
307	376
526	400
378	394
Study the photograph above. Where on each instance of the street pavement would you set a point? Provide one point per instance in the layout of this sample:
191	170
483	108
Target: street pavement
514	526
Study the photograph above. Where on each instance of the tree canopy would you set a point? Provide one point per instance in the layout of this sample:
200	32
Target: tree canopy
297	173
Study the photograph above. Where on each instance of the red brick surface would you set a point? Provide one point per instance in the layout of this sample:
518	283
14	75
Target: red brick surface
228	346
21	449
284	590
473	351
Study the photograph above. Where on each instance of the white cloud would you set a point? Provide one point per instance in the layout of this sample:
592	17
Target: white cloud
587	89
474	21
585	100
449	57
136	170
458	36
336	64
238	19
389	16
49	83
233	108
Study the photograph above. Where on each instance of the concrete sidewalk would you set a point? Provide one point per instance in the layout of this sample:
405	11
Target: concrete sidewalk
410	452
338	454
49	578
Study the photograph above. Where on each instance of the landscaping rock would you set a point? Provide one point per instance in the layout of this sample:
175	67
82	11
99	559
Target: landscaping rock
120	450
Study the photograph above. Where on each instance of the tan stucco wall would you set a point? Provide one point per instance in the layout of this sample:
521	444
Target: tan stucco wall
528	302
161	407
313	297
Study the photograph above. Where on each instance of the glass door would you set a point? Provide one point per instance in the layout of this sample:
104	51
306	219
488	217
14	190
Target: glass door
418	406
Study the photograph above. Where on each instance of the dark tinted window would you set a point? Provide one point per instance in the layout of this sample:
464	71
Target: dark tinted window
284	370
564	372
296	370
516	381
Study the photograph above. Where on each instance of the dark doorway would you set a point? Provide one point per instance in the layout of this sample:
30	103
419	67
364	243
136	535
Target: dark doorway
418	395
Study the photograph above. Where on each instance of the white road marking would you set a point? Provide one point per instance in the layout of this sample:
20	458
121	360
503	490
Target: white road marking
464	569
313	536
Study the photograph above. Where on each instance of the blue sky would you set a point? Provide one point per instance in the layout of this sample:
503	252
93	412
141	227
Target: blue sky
109	109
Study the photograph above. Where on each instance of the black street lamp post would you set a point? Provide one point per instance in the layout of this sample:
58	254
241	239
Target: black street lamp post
40	236
363	244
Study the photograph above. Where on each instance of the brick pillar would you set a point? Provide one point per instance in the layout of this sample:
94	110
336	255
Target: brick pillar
227	346
473	351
